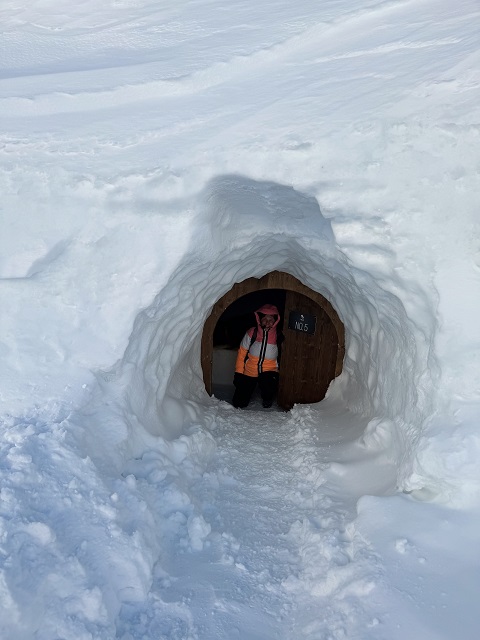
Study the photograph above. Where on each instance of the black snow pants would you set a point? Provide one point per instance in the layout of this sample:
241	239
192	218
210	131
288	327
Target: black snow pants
245	386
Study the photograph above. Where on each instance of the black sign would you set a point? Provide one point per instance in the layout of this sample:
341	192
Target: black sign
303	322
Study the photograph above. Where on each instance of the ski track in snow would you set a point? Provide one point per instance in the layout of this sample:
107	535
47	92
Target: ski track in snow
68	99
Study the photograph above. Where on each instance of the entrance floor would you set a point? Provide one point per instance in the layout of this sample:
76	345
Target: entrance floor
271	553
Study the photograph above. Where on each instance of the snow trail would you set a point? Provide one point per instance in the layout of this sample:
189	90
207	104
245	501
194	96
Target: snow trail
271	551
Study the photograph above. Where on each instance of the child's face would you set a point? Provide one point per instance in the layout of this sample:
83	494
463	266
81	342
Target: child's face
267	322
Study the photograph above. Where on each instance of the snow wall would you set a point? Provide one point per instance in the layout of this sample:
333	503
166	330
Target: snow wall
246	228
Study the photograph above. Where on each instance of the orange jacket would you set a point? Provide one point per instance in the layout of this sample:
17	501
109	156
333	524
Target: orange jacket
262	355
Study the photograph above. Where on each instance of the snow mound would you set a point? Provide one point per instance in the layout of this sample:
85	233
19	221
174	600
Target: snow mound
244	228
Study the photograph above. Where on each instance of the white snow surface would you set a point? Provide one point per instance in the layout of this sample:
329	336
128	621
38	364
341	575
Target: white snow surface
154	153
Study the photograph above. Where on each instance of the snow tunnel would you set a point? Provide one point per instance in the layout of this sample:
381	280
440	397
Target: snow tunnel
247	237
314	345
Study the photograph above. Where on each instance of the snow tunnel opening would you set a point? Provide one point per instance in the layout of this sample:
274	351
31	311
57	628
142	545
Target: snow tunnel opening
242	229
312	343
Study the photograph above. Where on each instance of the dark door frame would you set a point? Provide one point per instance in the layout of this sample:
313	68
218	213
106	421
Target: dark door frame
273	280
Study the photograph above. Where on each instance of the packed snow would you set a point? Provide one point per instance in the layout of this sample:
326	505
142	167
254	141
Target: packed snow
152	155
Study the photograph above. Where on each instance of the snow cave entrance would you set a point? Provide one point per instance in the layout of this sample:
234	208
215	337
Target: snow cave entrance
314	346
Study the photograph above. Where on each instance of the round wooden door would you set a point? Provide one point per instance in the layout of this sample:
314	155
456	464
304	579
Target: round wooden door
310	361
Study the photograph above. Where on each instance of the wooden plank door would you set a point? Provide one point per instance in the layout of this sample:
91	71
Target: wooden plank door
308	360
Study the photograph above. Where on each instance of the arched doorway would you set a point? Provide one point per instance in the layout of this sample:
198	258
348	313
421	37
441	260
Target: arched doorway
314	347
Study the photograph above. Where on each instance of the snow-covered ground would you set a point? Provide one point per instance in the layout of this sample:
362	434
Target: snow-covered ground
154	153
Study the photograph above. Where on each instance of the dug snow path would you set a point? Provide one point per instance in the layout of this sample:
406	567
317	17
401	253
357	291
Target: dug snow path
274	553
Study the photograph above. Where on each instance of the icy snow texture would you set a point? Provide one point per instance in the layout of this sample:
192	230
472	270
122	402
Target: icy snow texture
152	154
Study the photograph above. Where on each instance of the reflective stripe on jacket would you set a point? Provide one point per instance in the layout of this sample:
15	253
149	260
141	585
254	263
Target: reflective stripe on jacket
263	353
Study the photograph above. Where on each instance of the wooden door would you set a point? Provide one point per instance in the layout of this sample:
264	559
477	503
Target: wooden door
308	361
